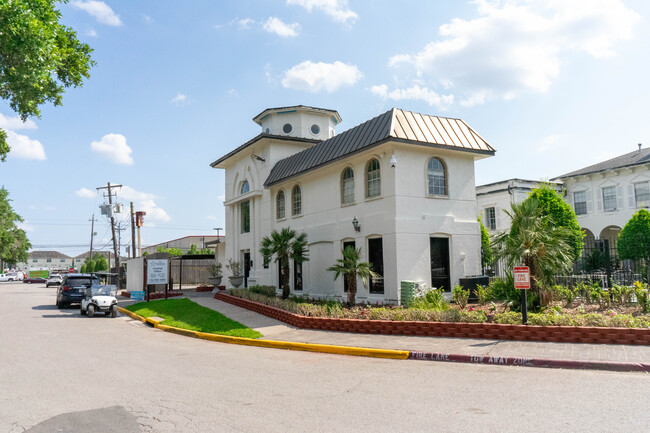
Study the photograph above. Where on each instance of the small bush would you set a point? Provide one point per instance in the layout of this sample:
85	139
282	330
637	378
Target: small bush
484	294
641	292
460	296
263	290
431	299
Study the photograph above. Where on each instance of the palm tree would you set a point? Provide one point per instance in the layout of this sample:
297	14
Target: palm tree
286	245
535	242
351	268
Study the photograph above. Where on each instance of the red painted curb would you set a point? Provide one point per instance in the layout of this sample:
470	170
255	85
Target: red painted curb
531	362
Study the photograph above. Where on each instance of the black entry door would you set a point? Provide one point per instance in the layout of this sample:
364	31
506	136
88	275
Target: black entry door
440	275
346	281
247	267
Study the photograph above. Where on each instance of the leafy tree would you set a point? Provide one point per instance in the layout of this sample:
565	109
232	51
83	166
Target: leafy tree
487	254
84	269
195	251
39	58
534	242
560	214
285	245
101	264
171	251
350	267
13	240
634	239
90	266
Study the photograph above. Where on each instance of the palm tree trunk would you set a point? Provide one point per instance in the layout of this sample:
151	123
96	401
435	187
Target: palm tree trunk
352	289
286	290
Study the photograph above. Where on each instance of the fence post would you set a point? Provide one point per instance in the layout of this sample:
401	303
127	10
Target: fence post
608	266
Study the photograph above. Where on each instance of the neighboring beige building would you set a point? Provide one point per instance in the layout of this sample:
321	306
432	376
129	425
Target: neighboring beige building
185	243
399	186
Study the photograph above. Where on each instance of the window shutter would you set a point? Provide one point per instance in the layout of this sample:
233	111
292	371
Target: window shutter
497	211
620	200
590	206
599	200
630	196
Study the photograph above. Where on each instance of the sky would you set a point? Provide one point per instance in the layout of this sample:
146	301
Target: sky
552	85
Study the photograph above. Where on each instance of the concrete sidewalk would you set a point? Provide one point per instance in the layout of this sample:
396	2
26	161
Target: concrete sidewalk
275	330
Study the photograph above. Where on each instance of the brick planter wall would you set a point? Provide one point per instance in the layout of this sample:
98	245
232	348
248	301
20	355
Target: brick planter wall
494	331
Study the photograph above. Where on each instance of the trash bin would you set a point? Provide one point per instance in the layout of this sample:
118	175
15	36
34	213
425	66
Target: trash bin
471	282
407	289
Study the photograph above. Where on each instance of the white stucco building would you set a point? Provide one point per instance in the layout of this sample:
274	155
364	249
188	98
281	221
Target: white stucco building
495	198
399	186
606	195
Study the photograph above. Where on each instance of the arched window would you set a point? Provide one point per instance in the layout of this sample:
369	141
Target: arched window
373	179
296	200
244	187
436	177
279	202
347	186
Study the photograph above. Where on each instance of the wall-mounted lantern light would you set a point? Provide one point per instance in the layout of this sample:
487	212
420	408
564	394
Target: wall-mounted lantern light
355	224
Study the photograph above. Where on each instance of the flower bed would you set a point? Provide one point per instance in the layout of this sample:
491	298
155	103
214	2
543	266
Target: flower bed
417	322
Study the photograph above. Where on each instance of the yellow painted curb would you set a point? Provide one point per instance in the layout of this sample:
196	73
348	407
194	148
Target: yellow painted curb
288	345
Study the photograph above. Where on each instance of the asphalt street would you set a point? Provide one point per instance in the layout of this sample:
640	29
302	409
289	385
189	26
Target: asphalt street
60	371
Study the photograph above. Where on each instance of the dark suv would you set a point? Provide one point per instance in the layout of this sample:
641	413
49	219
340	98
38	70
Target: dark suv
73	287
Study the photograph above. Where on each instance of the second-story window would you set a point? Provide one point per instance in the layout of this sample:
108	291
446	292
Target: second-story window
347	186
245	187
296	200
580	202
609	198
642	194
436	177
373	179
245	209
491	218
279	202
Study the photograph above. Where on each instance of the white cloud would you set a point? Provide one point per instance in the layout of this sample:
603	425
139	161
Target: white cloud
245	23
23	147
414	93
221	197
15	123
114	148
99	10
143	201
147	18
515	47
180	100
277	26
26	227
336	9
85	193
314	77
92	33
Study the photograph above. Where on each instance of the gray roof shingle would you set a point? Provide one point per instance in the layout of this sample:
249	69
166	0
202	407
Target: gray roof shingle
393	124
638	157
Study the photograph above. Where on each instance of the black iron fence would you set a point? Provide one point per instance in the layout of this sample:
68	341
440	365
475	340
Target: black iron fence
599	263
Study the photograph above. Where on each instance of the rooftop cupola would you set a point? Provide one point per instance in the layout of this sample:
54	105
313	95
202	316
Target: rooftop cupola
299	121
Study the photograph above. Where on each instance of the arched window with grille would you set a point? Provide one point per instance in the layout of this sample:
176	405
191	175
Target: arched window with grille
245	209
279	205
347	186
245	187
373	179
296	200
436	177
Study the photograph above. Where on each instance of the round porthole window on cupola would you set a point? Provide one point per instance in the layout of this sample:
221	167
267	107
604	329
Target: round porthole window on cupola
315	129
287	128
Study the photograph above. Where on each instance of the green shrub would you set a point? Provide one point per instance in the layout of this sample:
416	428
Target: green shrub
263	290
433	299
503	289
641	292
484	294
460	296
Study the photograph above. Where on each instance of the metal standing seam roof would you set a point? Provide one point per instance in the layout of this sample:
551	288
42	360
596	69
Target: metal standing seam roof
255	140
395	123
638	157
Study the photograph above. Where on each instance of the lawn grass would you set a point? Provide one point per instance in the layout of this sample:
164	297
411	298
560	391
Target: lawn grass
186	314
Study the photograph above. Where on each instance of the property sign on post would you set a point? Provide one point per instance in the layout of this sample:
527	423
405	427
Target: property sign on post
157	271
522	277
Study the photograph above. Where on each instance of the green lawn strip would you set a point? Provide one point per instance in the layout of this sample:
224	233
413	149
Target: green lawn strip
186	314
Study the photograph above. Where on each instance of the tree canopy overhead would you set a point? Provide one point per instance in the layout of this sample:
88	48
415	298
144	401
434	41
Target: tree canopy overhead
39	58
13	240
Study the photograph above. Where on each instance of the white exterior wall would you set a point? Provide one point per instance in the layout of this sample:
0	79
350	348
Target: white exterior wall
597	219
301	125
404	216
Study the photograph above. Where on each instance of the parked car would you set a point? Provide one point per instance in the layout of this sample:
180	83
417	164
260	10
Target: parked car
73	288
99	299
30	280
54	280
11	276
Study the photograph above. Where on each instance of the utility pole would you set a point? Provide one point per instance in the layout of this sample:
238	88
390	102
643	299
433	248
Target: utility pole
92	235
132	232
115	251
